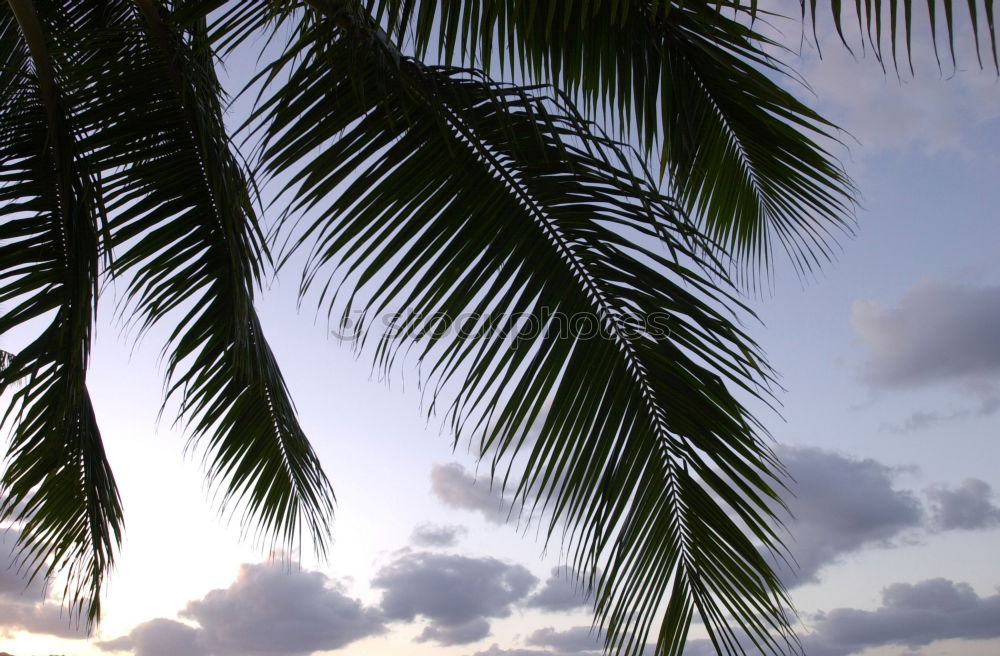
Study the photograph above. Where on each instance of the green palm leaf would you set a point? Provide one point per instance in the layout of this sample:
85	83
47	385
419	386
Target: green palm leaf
56	480
691	78
124	153
440	194
188	242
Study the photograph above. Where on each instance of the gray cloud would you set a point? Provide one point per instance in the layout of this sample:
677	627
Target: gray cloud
25	606
159	637
561	592
840	505
576	639
270	610
452	592
937	332
967	506
436	535
458	488
920	420
496	650
983	394
14	587
460	634
911	615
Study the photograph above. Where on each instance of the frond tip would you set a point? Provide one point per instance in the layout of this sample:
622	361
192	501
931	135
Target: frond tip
887	29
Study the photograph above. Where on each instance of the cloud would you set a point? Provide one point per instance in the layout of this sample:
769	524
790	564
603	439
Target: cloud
461	634
25	606
270	610
159	637
933	111
14	587
911	615
496	650
457	488
983	393
436	535
968	506
576	639
937	332
840	505
455	593
561	592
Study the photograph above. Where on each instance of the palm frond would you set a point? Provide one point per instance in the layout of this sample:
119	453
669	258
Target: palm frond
452	200
56	481
888	28
693	79
189	246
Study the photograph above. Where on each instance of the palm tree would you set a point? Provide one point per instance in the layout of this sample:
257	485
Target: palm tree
417	181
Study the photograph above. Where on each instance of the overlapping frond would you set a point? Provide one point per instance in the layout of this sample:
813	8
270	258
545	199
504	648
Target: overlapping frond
56	483
188	243
115	155
458	203
693	79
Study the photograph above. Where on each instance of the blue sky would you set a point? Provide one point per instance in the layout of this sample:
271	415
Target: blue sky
888	422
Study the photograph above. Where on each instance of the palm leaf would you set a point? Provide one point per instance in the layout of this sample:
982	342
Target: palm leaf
135	127
888	28
188	243
452	199
691	78
57	481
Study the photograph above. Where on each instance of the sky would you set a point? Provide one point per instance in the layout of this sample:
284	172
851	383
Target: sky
888	422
